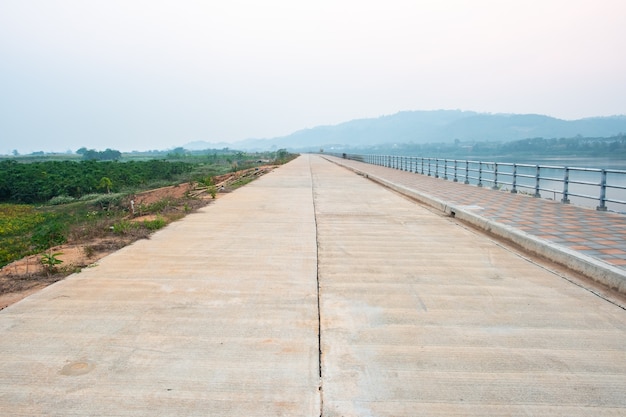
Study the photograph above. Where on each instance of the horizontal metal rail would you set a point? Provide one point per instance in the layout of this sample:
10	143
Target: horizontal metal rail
605	188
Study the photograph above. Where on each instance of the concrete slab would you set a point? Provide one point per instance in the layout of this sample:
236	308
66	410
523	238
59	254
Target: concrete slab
422	316
214	315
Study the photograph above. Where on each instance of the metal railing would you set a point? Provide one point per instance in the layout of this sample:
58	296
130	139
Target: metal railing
603	188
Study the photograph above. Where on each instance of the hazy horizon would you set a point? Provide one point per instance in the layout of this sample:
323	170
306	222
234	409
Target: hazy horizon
139	75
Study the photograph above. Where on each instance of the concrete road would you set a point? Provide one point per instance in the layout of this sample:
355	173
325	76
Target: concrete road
218	314
421	316
215	315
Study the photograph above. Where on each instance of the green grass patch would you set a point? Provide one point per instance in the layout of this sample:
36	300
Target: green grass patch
155	224
17	225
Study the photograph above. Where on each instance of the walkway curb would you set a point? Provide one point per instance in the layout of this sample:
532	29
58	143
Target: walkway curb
601	272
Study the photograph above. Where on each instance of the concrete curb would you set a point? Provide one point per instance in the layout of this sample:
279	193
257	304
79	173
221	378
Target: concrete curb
597	270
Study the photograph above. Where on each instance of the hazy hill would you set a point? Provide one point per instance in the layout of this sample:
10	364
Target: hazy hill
435	126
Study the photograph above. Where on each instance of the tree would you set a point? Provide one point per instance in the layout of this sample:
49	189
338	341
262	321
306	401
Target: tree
110	155
105	182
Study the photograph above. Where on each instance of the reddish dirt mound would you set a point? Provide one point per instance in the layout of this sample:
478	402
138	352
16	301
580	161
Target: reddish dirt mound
158	194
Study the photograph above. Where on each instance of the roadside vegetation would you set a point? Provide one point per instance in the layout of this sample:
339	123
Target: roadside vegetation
47	203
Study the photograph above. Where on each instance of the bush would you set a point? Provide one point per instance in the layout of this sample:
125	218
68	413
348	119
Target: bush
61	199
89	197
109	201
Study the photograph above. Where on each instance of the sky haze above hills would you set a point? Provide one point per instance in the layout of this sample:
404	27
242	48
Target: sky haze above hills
155	74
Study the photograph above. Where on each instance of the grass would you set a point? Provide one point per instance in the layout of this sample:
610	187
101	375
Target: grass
27	229
17	225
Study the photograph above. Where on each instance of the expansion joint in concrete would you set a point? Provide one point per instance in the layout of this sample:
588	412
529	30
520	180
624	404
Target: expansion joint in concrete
319	315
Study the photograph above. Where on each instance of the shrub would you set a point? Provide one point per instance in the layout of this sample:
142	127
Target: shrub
89	197
61	199
109	201
50	262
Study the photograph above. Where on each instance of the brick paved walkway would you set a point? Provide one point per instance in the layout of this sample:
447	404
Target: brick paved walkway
596	234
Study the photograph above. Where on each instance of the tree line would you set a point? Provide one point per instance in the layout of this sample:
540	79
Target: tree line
93	155
38	182
579	146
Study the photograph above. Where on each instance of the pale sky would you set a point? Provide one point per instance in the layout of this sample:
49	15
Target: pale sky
156	74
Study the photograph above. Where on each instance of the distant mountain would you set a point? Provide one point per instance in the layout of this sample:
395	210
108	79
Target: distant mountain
435	126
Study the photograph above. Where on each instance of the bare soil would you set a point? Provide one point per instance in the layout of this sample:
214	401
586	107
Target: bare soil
26	276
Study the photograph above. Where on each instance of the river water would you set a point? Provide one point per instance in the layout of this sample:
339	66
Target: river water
584	182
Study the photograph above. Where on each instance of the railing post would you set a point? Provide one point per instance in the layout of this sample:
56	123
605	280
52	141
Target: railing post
422	159
436	167
455	168
467	172
602	206
480	174
565	200
445	169
495	176
537	178
514	189
429	167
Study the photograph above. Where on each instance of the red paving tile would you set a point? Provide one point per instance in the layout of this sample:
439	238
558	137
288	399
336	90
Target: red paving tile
613	251
564	224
